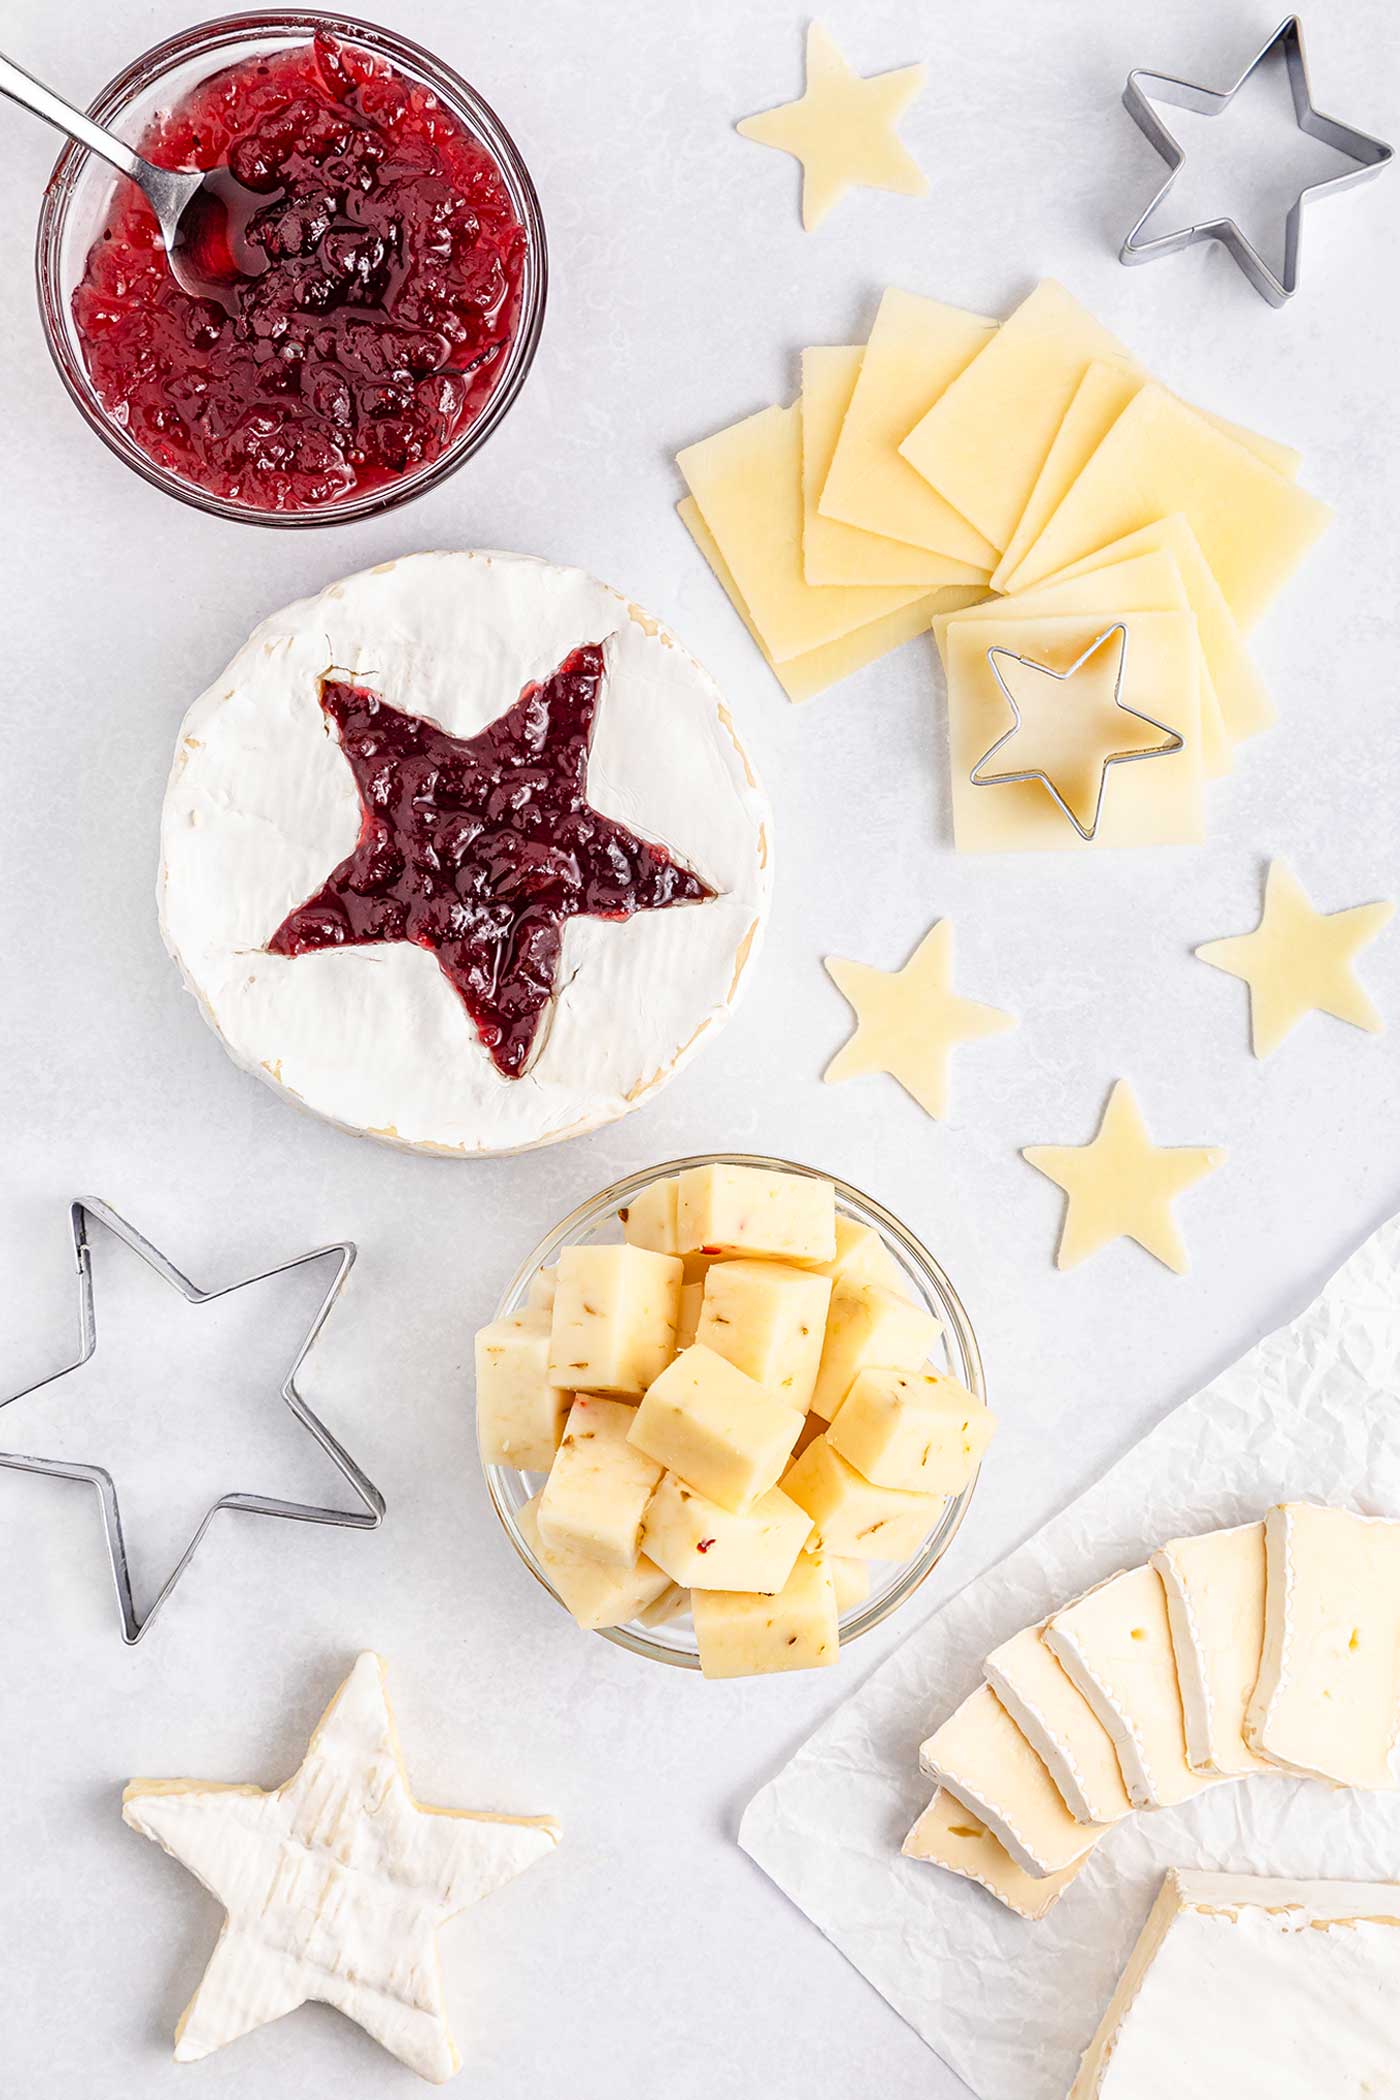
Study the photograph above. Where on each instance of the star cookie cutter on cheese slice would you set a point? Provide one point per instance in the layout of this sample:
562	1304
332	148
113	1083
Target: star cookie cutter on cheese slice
1075	804
1369	156
86	1210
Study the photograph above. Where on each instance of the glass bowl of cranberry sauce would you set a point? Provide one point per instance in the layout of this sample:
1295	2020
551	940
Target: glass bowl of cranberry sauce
400	270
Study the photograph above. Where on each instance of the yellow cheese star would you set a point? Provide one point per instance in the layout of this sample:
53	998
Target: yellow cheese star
1120	1185
842	130
1298	961
908	1021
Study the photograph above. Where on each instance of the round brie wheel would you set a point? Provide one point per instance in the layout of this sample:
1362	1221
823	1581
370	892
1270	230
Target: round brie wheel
263	808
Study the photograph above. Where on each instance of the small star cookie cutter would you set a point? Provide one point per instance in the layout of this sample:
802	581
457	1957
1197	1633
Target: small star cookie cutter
1144	89
1174	741
367	1518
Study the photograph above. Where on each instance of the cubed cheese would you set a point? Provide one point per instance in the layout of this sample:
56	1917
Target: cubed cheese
540	1295
688	1319
913	1430
519	1414
599	1486
851	1515
721	1431
849	1578
673	1603
740	1635
747	1210
768	1319
863	1257
614	1322
649	1219
868	1328
597	1596
704	1547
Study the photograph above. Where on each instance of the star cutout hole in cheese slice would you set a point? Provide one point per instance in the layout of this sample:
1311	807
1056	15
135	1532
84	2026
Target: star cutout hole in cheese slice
909	1021
1298	961
843	129
1120	1185
335	1884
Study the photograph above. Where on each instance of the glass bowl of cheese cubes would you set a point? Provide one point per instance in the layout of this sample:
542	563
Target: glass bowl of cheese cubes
730	1413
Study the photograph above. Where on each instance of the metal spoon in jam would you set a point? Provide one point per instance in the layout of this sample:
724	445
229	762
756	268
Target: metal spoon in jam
203	217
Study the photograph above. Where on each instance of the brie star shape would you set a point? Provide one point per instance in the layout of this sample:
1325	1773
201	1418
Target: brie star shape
908	1021
335	1884
1298	961
842	130
1120	1185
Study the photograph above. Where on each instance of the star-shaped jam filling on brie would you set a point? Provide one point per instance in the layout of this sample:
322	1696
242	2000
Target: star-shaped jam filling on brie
480	848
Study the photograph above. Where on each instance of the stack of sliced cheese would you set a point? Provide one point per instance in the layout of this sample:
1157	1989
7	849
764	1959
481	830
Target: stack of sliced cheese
1264	1648
735	1413
1035	466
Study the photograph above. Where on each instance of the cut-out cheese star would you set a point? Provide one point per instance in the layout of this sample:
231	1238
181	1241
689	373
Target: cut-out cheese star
843	129
1298	961
908	1021
335	1884
1120	1185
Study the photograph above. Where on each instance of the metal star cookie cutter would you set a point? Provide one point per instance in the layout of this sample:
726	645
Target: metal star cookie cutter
1144	89
1174	740
368	1518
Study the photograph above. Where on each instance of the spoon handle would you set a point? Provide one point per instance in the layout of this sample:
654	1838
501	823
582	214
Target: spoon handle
23	88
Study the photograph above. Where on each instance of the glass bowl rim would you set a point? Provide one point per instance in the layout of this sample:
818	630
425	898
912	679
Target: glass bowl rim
209	37
921	1565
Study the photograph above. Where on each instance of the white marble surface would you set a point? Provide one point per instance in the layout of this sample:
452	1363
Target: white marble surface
649	1955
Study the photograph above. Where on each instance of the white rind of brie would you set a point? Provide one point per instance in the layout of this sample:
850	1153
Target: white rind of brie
261	806
1262	1989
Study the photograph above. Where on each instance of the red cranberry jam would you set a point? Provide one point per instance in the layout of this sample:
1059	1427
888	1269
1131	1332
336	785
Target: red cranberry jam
387	294
480	848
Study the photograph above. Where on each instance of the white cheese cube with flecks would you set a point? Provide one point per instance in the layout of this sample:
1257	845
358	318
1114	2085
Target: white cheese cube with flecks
913	1430
598	1596
721	1431
770	1320
519	1412
649	1217
613	1327
705	1547
869	1328
749	1210
596	1496
852	1516
741	1635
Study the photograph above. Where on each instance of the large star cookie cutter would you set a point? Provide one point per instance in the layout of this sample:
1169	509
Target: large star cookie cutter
367	1517
1145	89
1167	741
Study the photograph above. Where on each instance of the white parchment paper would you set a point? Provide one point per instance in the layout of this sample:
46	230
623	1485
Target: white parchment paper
1312	1413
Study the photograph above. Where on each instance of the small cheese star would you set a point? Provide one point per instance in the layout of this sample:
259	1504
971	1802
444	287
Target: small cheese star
842	130
1120	1185
335	1884
1298	961
908	1021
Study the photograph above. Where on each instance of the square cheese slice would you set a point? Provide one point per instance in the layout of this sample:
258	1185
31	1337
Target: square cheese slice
1158	802
747	481
1245	703
803	677
1060	1726
917	347
724	1434
980	1756
1115	1645
598	1596
1256	1988
1160	457
1215	1608
984	441
833	553
599	1486
1328	1698
1140	583
949	1835
1100	398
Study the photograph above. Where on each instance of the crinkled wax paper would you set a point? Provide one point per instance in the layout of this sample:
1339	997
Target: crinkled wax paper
1312	1413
